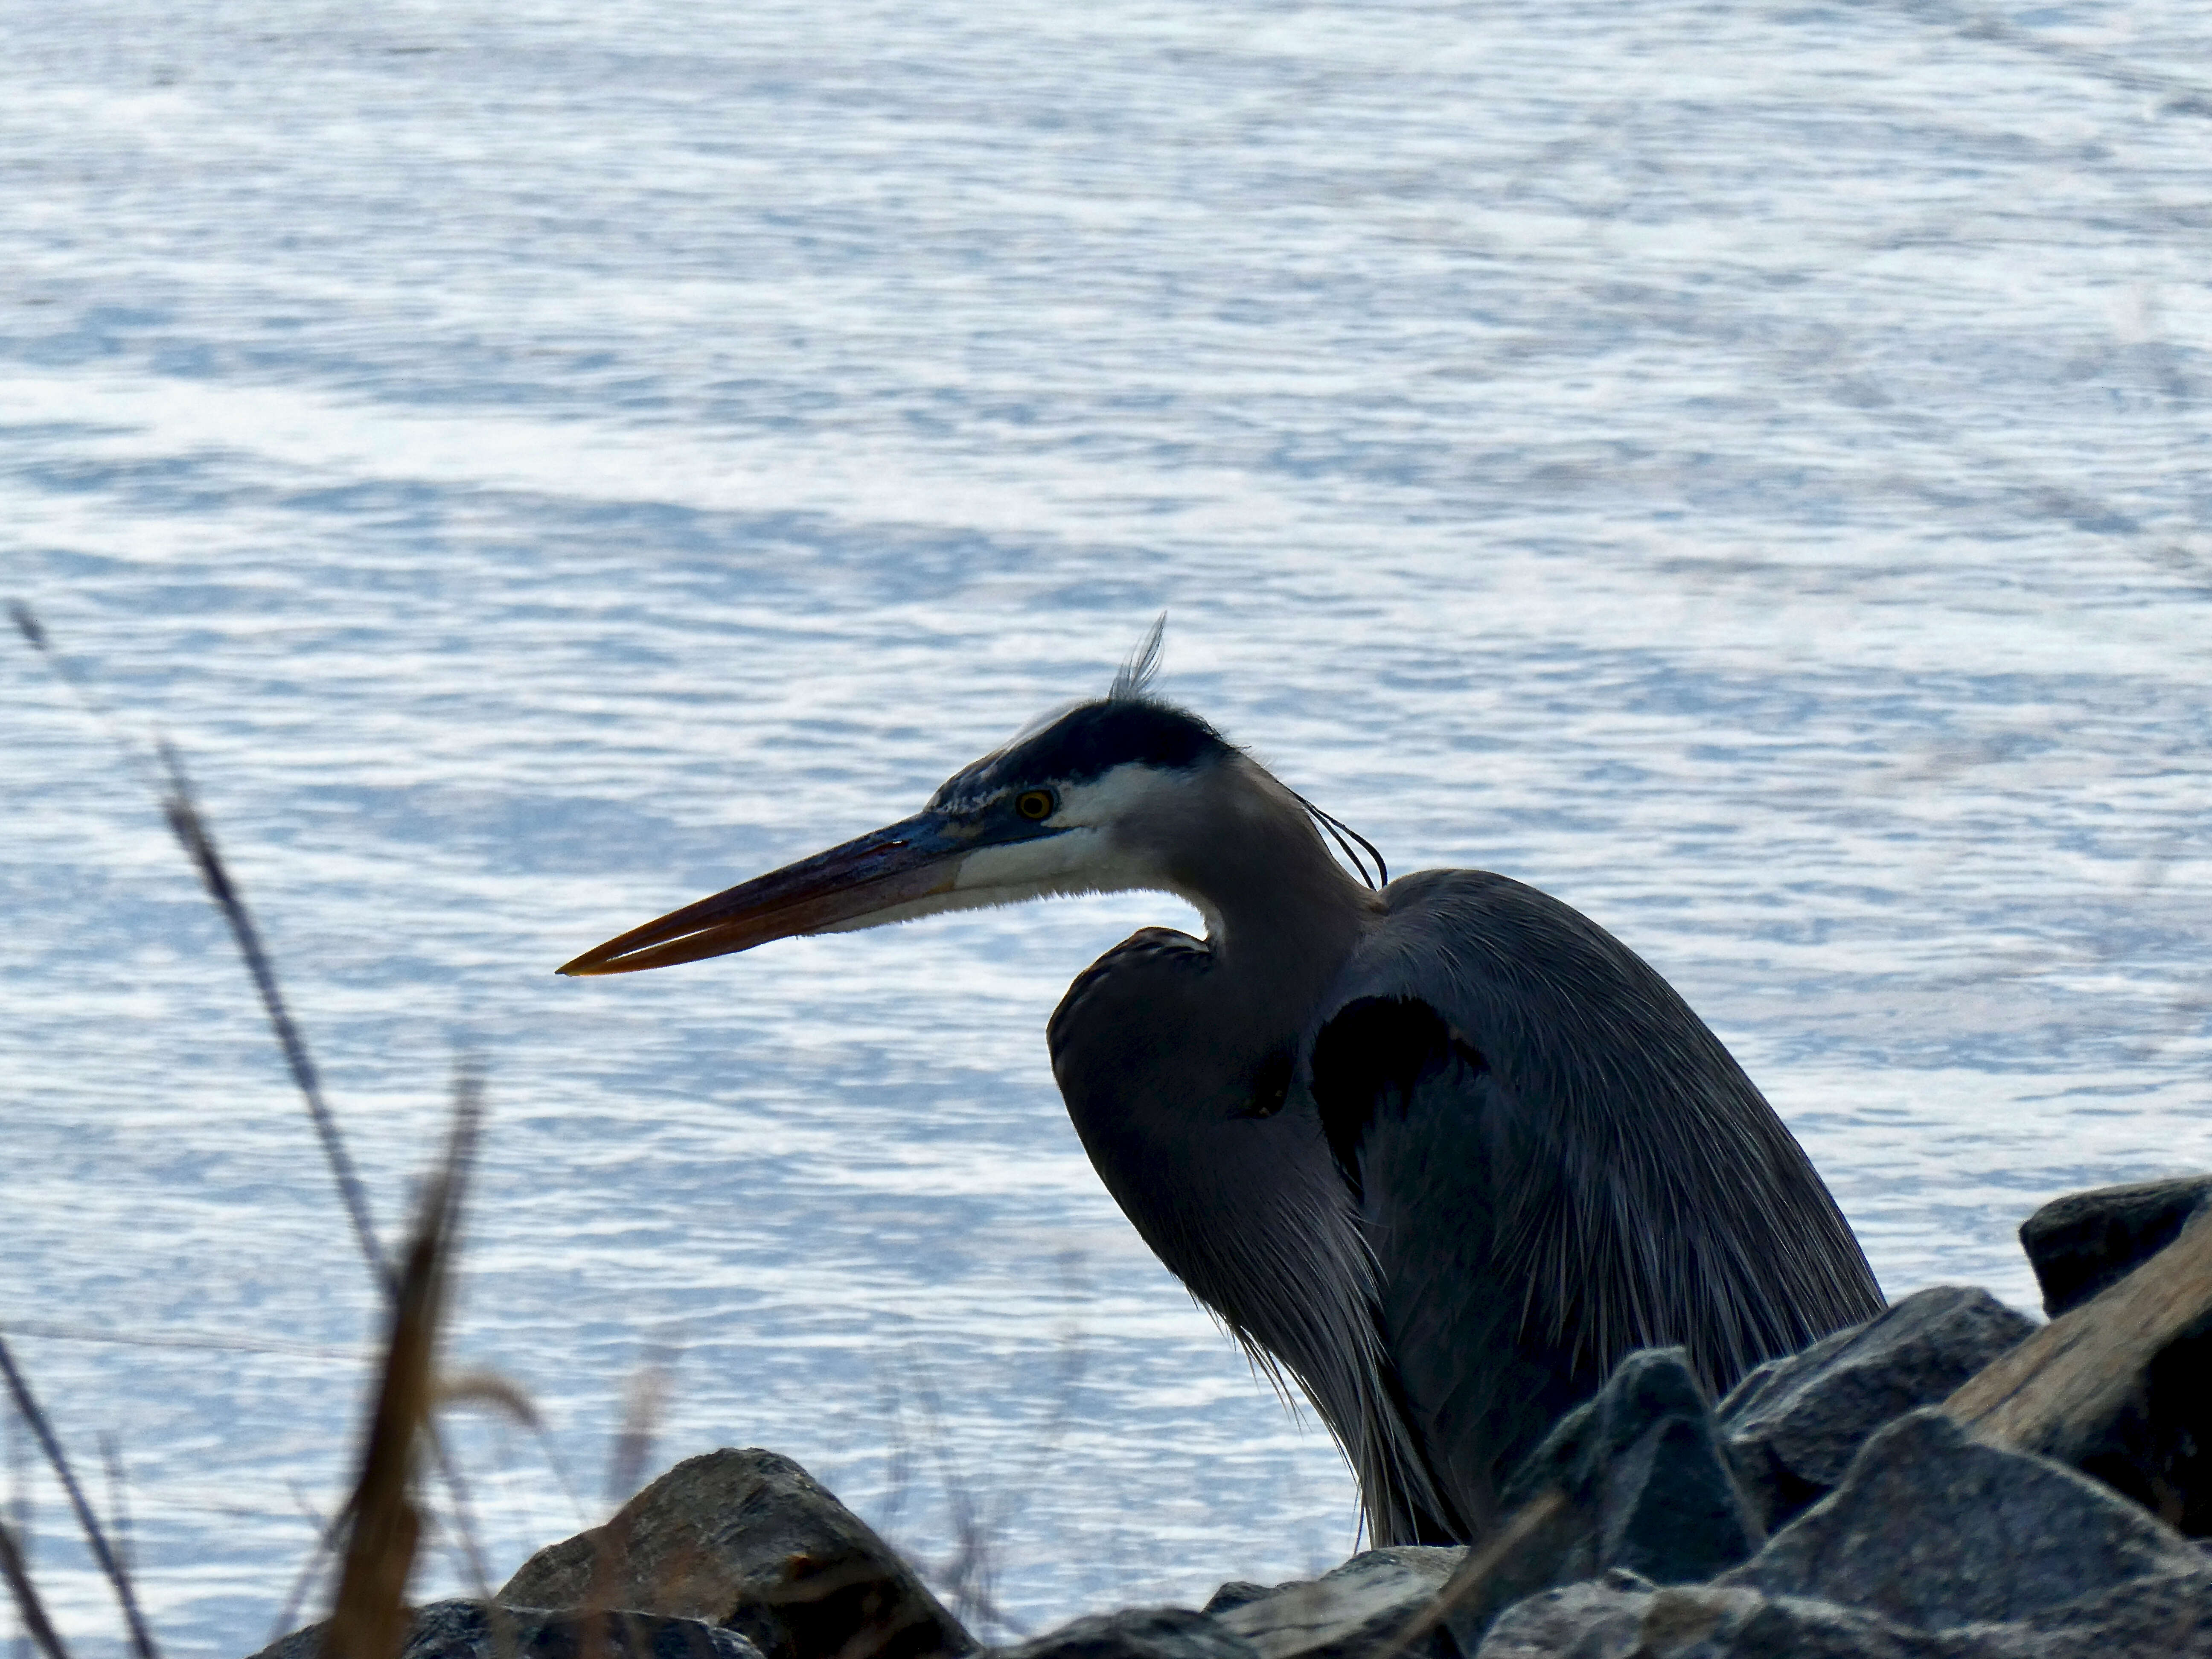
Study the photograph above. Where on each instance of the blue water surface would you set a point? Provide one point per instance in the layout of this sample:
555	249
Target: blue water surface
1746	470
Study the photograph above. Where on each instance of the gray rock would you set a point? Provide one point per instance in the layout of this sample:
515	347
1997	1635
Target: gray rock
1592	1620
1362	1607
748	1541
1615	1620
1137	1633
1755	1384
1935	1546
1236	1594
477	1630
2168	1617
2085	1243
1794	1425
2164	1618
1643	1464
1932	1529
1430	1565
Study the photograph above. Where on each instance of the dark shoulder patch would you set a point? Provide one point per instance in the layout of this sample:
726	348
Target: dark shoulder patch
1369	1059
1145	946
1088	741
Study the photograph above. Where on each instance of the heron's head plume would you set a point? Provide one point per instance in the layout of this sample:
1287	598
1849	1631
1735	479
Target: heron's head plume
1123	793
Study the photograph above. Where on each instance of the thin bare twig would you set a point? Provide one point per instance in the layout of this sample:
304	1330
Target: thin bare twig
643	1402
39	1628
464	1524
190	828
26	1405
327	1533
119	1498
182	812
19	1512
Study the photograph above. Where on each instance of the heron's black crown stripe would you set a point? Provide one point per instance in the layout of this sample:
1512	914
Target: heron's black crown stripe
1087	743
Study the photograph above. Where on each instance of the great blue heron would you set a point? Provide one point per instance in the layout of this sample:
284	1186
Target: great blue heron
1443	1151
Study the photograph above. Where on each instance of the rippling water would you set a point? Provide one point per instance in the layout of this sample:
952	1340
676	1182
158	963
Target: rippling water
1743	469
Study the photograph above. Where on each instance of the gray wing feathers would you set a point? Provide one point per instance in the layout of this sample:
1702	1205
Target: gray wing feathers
1642	1192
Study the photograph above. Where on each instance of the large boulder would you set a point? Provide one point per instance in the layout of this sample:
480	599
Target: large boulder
1616	1617
1931	1528
2086	1242
750	1542
1935	1545
1794	1425
477	1630
2119	1385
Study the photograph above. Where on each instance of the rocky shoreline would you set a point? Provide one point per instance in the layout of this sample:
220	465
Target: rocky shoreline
1949	1481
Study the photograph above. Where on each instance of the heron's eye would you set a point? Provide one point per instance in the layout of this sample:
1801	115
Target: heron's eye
1034	803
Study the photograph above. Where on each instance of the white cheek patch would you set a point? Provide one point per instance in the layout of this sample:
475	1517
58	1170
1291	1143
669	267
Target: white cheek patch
1113	796
1073	861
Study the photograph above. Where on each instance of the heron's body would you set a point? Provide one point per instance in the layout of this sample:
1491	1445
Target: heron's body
1414	1179
1443	1153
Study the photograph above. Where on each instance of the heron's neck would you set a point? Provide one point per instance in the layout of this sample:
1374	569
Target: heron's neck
1283	915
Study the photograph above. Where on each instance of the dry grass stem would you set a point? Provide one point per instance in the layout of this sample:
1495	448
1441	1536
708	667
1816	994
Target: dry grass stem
1474	1573
369	1617
487	1387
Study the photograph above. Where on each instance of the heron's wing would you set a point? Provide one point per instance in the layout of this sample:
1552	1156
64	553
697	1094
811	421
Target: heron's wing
1557	1162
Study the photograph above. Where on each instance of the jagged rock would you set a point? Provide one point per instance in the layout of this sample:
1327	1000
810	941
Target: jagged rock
1634	1479
476	1630
1359	1608
2167	1618
748	1540
1794	1425
1642	1463
1236	1593
2086	1242
1932	1529
1137	1633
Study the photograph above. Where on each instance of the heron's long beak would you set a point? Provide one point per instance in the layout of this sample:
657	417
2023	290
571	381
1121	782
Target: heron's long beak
881	872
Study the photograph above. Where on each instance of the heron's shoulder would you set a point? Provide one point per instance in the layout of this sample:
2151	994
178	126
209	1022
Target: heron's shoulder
1522	975
1428	893
1439	927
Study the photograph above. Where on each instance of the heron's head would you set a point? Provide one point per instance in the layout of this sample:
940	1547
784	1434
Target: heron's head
1106	797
